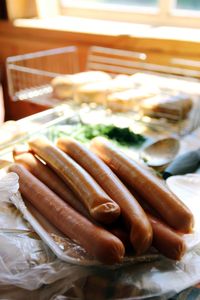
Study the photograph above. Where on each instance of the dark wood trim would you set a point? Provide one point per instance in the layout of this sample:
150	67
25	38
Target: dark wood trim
3	10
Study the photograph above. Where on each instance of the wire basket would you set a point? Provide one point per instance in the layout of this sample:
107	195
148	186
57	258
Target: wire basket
180	77
29	78
29	75
117	61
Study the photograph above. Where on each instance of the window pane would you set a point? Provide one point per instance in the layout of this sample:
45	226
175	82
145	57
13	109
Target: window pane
188	4
143	3
129	2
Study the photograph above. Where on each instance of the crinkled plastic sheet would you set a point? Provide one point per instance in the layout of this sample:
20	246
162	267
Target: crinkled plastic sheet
25	260
29	270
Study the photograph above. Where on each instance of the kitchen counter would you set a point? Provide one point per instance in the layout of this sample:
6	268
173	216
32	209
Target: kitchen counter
94	285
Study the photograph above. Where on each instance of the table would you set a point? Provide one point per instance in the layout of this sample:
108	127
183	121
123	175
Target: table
192	293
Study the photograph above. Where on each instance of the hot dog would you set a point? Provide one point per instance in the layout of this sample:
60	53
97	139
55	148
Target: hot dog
172	210
55	183
166	240
145	205
98	242
140	228
52	180
122	235
101	207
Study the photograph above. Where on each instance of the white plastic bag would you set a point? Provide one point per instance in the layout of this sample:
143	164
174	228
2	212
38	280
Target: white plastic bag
25	260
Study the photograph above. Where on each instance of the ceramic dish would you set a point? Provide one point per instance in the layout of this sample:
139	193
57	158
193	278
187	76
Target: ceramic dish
187	189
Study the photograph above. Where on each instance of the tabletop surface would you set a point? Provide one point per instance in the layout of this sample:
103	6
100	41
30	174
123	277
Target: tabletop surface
192	293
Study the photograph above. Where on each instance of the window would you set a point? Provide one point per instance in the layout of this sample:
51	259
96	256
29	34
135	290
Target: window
156	12
188	5
146	3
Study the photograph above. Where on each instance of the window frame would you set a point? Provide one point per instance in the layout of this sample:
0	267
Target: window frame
164	15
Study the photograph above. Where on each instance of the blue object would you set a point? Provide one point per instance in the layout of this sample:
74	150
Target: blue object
183	164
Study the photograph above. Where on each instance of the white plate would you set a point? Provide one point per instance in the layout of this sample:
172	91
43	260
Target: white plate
187	189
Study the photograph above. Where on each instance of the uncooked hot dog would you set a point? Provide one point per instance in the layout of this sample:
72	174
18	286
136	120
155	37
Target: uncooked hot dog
101	207
140	228
55	183
98	242
52	180
165	239
172	210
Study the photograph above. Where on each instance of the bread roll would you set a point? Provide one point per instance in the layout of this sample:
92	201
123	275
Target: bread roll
64	86
97	92
127	100
93	92
173	107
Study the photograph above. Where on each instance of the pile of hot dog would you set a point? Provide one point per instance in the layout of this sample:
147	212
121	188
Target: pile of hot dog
101	199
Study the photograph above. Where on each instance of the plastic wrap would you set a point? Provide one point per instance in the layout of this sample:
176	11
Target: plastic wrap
61	246
25	260
28	268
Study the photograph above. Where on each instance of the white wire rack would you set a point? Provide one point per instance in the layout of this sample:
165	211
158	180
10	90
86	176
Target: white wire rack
182	76
114	61
118	61
29	77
